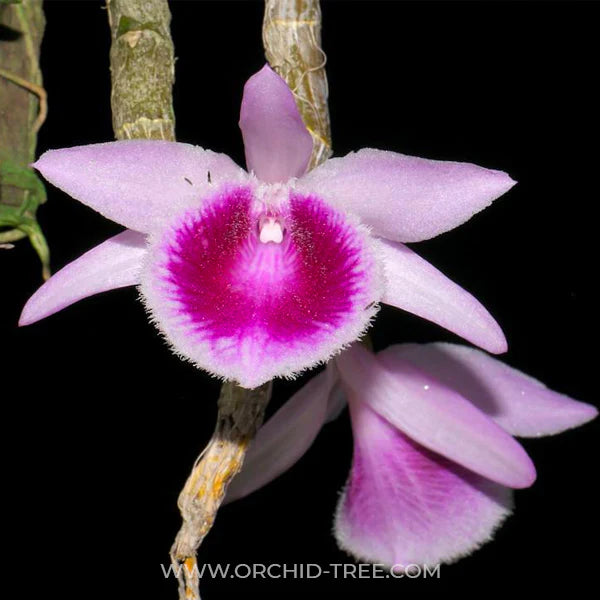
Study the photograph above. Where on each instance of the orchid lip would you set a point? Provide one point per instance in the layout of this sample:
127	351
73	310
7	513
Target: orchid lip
261	282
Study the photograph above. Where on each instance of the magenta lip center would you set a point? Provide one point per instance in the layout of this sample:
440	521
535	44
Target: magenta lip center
248	277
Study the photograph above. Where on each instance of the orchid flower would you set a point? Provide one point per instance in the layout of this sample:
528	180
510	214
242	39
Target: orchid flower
434	458
258	274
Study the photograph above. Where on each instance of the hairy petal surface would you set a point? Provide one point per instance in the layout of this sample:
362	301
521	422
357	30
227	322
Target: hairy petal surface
251	290
115	263
435	416
277	144
404	504
416	286
138	183
520	404
285	437
405	198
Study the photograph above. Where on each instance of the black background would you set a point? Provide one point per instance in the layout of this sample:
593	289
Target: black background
103	423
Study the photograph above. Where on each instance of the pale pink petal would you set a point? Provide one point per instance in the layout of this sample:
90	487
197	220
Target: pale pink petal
138	183
285	437
248	308
521	405
405	198
435	416
113	264
278	145
337	402
414	285
405	505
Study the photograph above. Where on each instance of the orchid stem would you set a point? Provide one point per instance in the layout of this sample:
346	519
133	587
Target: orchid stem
240	414
142	66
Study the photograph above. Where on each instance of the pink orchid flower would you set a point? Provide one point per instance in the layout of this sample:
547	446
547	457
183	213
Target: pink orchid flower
434	458
259	274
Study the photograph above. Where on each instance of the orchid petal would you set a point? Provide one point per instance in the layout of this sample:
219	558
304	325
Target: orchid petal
405	505
521	405
115	263
416	286
248	309
278	145
405	198
285	437
138	183
435	416
337	402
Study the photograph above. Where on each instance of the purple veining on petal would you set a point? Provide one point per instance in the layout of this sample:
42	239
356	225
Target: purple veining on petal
404	504
250	309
